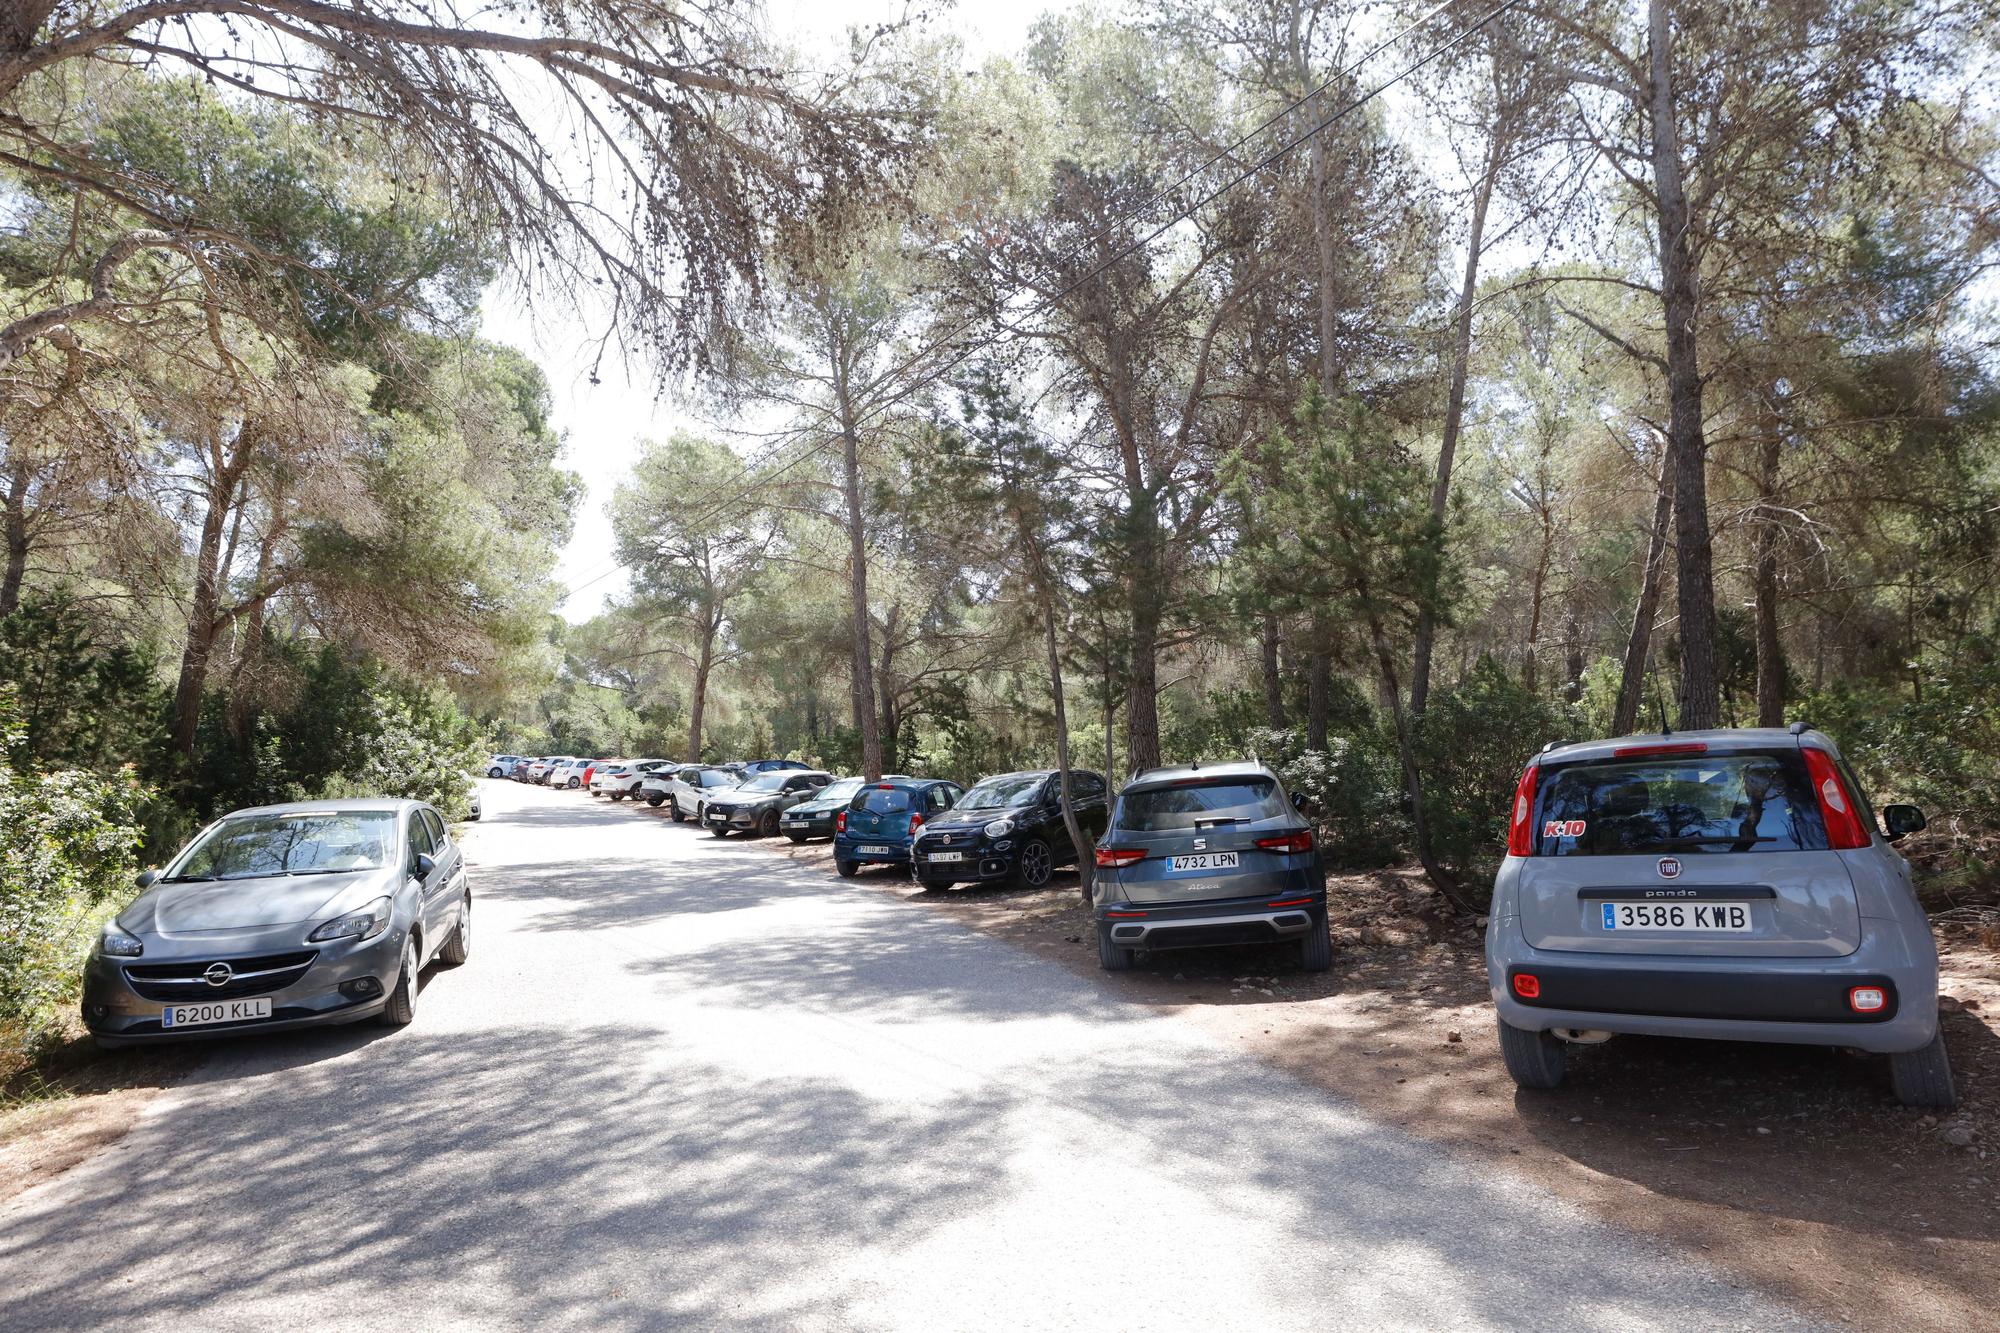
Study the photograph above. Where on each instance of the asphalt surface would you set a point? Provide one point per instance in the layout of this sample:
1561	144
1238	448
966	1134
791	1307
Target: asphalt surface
683	1084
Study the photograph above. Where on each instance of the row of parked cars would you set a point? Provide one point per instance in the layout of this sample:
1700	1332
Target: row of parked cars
1728	884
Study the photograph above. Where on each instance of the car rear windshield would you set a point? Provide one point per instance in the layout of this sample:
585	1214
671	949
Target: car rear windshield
1739	802
318	842
1197	804
882	801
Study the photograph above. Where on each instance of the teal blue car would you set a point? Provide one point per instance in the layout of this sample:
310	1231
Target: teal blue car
882	818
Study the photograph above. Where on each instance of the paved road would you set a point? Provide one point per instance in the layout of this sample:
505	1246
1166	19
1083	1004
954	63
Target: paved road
681	1084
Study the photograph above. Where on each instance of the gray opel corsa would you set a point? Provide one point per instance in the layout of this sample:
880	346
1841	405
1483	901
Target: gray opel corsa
281	917
1203	856
1720	884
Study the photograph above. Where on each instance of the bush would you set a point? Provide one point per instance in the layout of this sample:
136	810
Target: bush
1357	785
419	748
67	843
1473	741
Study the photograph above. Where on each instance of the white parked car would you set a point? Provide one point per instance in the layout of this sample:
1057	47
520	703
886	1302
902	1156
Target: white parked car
621	780
569	773
686	791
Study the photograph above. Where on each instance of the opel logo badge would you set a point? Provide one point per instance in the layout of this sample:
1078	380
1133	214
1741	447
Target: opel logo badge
1670	867
218	974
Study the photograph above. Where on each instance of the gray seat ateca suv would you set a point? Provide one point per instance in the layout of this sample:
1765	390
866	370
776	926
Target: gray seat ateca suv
1208	855
1720	884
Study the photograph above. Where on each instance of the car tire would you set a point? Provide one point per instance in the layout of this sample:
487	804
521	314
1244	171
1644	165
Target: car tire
1537	1060
401	1009
797	839
495	773
1114	957
656	801
1036	864
720	830
767	826
574	783
846	869
1923	1077
1316	949
459	947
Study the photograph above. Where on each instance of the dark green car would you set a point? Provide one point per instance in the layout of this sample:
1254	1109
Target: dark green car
814	818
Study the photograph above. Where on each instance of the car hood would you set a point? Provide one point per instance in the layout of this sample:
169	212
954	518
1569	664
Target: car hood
965	819
738	796
242	904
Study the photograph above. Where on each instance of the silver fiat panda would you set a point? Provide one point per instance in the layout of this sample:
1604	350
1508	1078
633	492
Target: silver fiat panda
1723	884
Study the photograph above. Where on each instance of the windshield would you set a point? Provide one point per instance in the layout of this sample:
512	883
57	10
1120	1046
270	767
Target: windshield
766	782
1191	805
1722	803
308	843
1002	793
839	791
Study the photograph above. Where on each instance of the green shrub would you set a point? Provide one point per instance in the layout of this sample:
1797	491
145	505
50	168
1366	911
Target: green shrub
420	748
67	843
1356	785
1472	743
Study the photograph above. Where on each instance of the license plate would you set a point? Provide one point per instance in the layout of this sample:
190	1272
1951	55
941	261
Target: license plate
947	856
1201	861
796	823
215	1011
1726	918
875	851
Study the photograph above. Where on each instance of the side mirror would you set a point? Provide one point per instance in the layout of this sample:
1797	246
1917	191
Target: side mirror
147	878
1903	820
422	867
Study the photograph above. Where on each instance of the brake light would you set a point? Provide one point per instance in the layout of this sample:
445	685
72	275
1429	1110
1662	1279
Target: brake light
840	822
1291	902
1677	747
1867	999
1116	858
916	822
883	786
1124	916
1836	803
1527	985
1521	829
1301	841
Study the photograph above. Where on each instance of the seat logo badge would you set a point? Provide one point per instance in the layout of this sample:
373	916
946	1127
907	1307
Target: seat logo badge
1201	844
1670	867
218	974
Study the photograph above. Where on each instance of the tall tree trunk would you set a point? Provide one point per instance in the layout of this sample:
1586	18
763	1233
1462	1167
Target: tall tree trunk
1530	667
1406	751
1274	681
1454	408
16	521
201	624
1319	687
1328	258
892	719
1764	581
1632	680
1142	704
863	673
1694	572
698	702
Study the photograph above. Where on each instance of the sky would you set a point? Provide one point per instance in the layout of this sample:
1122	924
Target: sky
603	423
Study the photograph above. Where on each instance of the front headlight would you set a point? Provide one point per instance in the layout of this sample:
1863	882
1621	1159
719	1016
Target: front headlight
115	943
365	924
999	828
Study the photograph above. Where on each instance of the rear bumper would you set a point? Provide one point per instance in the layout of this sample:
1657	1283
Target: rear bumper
1213	924
1797	1001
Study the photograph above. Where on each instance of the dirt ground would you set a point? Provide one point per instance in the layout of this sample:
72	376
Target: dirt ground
1791	1167
75	1102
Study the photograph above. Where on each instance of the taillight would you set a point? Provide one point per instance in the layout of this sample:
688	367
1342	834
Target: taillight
840	822
1116	858
1302	841
916	822
1527	985
1836	803
1521	829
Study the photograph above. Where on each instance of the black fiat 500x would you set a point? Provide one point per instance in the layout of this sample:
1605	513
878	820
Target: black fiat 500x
1009	826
